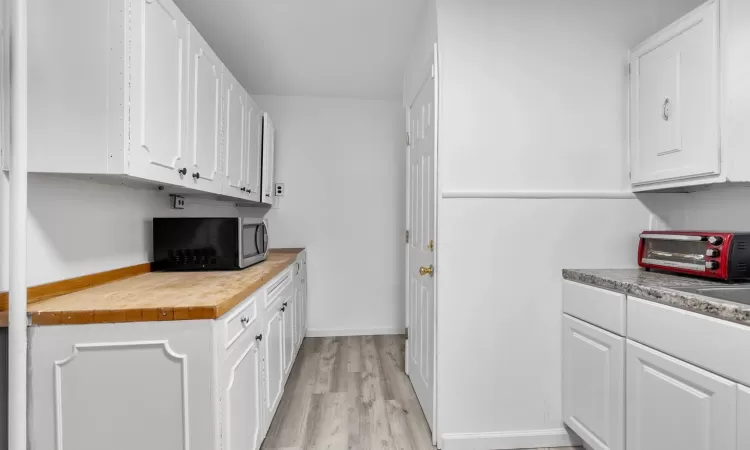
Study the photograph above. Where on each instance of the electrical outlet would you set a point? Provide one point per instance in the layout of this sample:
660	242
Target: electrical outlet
278	188
178	202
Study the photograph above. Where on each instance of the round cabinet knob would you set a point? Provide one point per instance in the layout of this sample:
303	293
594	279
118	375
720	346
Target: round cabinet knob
268	195
715	240
245	320
283	308
182	171
243	189
196	175
286	303
713	252
259	337
712	265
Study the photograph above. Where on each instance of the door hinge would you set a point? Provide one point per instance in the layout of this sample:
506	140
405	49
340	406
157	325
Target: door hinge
630	69
406	334
408	138
407	236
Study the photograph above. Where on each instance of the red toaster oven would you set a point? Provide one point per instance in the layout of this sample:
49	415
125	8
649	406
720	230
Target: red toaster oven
724	256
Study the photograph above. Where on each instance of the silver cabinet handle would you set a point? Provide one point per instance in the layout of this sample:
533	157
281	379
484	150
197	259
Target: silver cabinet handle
665	109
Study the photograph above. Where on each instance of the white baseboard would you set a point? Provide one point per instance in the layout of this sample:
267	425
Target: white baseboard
354	332
557	437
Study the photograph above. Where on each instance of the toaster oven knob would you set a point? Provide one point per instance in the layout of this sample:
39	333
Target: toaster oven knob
713	252
715	240
712	265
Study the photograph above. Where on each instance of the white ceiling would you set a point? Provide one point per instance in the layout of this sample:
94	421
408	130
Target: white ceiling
331	48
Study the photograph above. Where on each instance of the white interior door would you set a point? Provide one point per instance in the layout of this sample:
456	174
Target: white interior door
421	246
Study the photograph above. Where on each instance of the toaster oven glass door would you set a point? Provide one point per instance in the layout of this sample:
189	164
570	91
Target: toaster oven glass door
669	253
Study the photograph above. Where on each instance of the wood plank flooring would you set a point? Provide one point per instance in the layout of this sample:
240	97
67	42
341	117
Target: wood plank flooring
349	393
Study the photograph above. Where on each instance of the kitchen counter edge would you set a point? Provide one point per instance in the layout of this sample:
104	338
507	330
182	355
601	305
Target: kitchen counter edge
660	288
53	318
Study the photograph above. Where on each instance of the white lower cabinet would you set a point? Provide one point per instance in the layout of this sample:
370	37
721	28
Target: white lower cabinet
619	392
172	385
593	384
241	397
674	405
274	365
743	417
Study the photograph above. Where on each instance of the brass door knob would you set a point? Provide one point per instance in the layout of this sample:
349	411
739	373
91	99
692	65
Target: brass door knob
426	271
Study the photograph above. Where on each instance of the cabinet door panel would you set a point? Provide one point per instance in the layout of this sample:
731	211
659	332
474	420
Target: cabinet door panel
273	340
268	160
242	396
743	418
253	150
289	331
205	113
236	134
160	93
675	102
593	384
672	404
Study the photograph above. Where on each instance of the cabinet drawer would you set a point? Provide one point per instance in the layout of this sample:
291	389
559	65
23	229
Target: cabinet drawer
603	308
276	286
714	344
234	323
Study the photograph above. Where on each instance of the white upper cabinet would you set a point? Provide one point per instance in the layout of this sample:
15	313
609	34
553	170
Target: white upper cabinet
137	94
269	151
204	123
159	112
253	150
681	131
235	136
4	85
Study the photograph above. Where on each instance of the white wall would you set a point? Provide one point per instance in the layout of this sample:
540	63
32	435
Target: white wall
534	97
341	161
421	53
78	227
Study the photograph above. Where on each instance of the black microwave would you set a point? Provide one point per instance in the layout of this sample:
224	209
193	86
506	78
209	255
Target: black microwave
211	243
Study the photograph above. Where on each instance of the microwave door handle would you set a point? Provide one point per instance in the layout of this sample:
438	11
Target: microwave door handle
257	243
265	238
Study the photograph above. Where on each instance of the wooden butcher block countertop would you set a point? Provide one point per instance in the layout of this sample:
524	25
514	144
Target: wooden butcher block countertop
162	295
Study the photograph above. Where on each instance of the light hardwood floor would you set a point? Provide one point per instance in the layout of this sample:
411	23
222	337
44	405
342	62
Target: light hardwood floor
349	393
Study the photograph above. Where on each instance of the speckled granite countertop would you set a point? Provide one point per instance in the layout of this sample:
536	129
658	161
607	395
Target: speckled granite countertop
660	287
